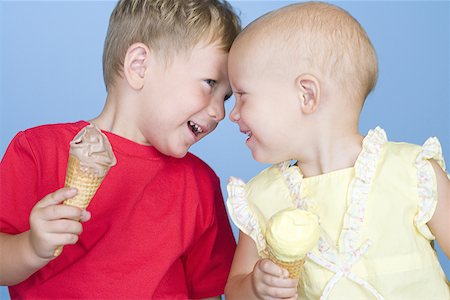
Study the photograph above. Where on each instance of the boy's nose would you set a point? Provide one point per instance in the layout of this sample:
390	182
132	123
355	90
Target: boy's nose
216	110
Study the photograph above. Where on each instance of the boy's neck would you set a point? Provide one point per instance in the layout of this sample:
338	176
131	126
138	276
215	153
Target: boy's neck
119	120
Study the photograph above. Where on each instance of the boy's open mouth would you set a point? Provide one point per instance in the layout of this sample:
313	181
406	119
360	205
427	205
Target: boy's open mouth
195	128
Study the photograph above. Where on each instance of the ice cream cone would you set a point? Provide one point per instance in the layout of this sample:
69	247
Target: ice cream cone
293	267
290	234
90	159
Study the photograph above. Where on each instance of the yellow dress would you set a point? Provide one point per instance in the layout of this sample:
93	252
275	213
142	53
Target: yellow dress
375	243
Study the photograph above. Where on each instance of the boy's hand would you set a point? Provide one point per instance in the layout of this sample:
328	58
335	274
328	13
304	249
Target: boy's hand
272	282
52	224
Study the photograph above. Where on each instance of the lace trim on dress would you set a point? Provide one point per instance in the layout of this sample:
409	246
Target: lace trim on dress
240	213
365	168
293	178
431	149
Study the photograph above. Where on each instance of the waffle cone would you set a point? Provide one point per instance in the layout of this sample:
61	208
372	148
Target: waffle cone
84	180
294	268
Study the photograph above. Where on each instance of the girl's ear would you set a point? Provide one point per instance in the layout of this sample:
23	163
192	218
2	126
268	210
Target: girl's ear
135	65
309	93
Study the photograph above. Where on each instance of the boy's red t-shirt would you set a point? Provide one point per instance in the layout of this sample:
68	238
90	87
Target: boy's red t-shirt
158	230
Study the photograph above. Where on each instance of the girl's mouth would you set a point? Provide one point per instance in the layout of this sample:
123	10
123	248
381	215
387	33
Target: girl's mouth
248	133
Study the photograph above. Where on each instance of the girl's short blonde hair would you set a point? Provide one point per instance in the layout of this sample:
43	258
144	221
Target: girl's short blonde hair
324	39
167	27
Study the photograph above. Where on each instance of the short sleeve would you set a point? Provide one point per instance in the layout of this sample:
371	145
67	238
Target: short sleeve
208	262
18	183
426	184
241	214
252	204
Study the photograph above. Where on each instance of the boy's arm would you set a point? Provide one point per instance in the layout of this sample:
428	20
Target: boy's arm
51	225
252	277
207	263
18	260
440	222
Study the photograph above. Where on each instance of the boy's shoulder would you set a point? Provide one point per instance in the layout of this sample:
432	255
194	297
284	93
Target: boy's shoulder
195	163
50	134
53	131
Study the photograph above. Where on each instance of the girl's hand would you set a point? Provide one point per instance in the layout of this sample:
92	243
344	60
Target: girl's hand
272	282
52	224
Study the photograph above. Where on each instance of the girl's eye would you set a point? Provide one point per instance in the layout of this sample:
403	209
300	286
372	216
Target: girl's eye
238	94
210	82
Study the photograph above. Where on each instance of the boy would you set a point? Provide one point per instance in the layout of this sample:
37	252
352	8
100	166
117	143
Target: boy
159	228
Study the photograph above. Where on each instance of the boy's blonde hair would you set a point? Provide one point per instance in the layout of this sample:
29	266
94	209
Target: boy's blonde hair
326	39
167	27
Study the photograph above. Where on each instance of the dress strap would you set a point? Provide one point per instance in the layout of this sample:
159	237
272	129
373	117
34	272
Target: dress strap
344	270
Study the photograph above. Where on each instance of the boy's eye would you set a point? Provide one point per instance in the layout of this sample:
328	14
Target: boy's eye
210	82
227	96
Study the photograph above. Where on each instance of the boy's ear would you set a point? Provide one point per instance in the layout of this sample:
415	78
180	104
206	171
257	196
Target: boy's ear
135	65
309	93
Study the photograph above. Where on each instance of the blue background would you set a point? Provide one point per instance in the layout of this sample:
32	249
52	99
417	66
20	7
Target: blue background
50	71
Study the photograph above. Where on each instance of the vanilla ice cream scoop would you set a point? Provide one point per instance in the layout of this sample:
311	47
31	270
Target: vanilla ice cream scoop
291	233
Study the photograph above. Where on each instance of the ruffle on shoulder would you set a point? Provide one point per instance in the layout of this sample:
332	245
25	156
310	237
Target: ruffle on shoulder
240	213
426	184
365	168
292	178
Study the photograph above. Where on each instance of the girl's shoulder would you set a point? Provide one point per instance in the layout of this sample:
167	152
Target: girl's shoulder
412	155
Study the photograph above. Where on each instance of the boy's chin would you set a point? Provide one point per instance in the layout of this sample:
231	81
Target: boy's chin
179	155
178	152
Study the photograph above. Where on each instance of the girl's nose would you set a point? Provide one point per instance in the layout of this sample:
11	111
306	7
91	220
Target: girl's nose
235	114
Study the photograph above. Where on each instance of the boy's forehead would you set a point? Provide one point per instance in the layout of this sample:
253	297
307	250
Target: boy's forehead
210	58
202	49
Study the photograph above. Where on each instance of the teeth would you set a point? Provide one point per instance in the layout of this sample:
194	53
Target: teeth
195	128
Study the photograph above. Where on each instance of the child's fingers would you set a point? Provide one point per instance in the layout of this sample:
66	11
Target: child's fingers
85	216
280	282
57	197
65	226
55	212
282	293
63	239
269	267
276	287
